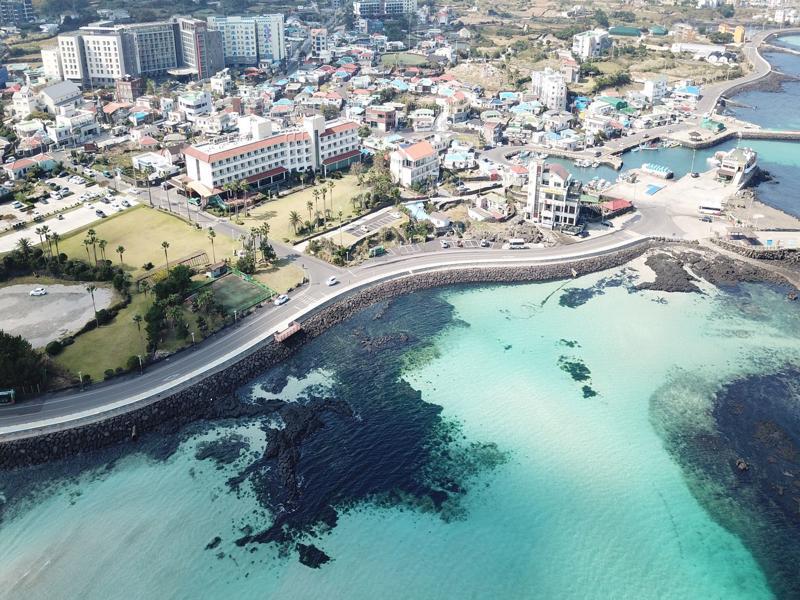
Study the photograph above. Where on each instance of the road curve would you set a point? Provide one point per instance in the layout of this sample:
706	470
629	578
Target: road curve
66	409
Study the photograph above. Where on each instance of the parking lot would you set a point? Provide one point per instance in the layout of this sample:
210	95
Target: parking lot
63	310
76	210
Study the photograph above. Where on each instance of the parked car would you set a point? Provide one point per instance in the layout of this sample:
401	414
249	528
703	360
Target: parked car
282	299
17	204
100	213
706	219
39	291
125	203
445	244
331	281
485	243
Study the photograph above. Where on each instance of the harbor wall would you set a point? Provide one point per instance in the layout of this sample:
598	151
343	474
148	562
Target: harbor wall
206	398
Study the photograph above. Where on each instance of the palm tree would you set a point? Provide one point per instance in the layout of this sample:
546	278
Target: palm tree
24	246
38	231
341	214
324	210
120	250
46	234
294	220
56	238
144	286
331	185
137	319
310	207
165	245
87	242
315	193
91	288
211	235
102	245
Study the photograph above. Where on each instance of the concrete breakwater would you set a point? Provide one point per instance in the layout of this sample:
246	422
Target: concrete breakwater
215	396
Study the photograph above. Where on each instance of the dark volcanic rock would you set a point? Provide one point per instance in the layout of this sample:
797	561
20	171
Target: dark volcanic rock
224	451
671	276
213	543
311	556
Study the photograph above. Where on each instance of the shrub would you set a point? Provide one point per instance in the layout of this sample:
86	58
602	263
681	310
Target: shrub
108	373
54	348
148	266
104	316
132	364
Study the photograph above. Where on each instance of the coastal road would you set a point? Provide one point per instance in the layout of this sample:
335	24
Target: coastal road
55	411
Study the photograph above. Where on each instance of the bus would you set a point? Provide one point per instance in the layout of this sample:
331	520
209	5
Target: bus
516	244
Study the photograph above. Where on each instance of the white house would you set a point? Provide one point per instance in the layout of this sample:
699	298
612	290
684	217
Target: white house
72	127
414	164
590	44
194	104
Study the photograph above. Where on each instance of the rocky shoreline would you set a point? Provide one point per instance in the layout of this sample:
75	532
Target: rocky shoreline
215	397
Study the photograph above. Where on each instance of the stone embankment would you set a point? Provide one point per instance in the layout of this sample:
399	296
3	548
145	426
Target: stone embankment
214	396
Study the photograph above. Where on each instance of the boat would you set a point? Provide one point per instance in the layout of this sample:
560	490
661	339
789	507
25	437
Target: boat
595	164
657	170
738	166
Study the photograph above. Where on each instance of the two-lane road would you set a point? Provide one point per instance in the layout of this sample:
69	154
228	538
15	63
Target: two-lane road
184	368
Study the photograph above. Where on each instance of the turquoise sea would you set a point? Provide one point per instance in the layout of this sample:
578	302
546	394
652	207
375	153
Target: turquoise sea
559	440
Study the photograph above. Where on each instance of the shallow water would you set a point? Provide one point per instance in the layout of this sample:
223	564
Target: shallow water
529	441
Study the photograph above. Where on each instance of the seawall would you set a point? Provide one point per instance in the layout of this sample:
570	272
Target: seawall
203	399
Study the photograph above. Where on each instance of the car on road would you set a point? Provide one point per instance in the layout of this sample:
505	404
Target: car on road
39	291
100	213
706	219
282	299
695	174
331	280
485	243
445	244
125	203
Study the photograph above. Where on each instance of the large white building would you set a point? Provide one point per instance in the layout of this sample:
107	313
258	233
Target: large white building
553	196
655	89
550	87
194	104
590	44
378	8
102	53
262	156
250	41
72	127
416	163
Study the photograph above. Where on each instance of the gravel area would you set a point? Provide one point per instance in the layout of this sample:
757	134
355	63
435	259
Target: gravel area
42	319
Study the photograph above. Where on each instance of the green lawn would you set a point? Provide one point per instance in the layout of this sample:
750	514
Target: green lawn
281	276
140	230
109	346
402	59
236	294
276	212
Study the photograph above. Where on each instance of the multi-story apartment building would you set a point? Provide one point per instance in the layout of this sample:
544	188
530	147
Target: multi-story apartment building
590	44
261	156
319	42
104	52
51	64
416	163
194	104
129	88
72	127
550	87
199	48
378	8
553	196
16	12
249	41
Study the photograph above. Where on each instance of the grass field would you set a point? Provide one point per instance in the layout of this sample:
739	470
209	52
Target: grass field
276	212
140	231
281	276
234	293
109	346
402	59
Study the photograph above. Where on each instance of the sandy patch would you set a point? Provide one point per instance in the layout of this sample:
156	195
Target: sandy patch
42	319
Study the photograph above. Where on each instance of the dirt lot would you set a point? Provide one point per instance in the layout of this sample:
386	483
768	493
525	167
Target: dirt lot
64	310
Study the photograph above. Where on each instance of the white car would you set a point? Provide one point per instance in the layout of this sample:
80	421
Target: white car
282	299
445	244
331	281
39	291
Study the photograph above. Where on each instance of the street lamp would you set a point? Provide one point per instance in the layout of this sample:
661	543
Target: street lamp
80	378
141	366
192	338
